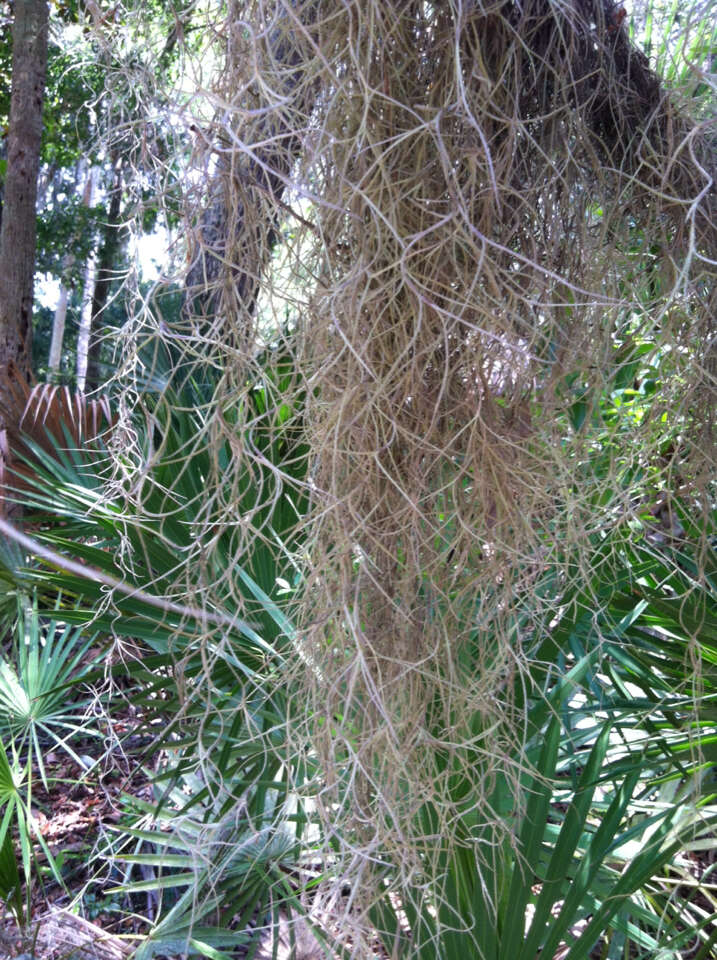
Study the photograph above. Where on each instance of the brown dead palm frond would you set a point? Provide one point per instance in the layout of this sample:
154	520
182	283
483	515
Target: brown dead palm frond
47	417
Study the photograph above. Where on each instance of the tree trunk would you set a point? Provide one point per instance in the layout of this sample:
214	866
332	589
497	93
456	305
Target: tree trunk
105	274
18	230
58	327
83	335
3	154
58	334
88	293
17	236
231	244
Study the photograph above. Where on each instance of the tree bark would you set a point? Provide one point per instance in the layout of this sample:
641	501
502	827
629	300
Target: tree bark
19	227
3	152
18	233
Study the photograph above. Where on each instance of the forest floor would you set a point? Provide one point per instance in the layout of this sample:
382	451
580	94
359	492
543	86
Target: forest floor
76	812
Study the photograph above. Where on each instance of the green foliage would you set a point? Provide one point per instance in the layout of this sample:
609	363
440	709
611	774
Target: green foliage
39	685
209	868
12	582
67	225
40	671
596	823
16	782
611	790
72	89
221	740
10	889
73	84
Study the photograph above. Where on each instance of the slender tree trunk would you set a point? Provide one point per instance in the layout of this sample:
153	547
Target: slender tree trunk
18	230
58	325
88	292
83	336
58	334
17	236
105	274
